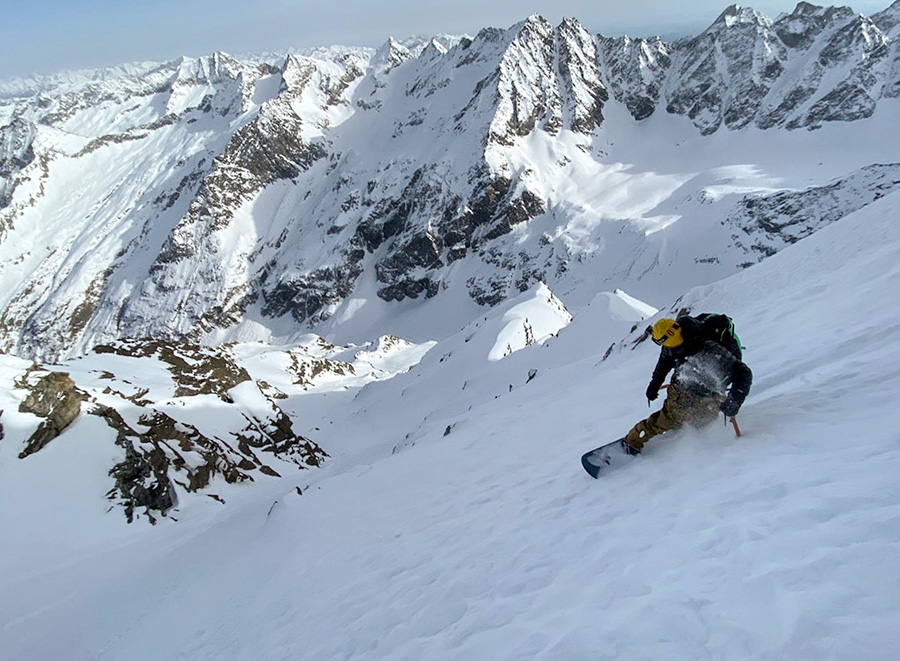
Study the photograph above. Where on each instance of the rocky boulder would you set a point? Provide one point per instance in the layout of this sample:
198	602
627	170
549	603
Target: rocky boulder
54	397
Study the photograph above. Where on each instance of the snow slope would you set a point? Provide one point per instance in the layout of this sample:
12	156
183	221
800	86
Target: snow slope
454	521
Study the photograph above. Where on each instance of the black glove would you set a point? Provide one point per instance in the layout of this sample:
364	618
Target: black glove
652	391
730	407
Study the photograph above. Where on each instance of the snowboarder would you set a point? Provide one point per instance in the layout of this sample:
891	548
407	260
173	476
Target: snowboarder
708	379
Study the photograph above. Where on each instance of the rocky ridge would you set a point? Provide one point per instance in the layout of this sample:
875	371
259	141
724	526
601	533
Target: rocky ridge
183	421
765	224
811	66
164	453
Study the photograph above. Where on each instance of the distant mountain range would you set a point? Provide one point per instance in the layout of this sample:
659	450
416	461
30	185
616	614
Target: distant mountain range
215	198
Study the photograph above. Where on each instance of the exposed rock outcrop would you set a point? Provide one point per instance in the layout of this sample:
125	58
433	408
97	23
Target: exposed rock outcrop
53	397
211	422
766	224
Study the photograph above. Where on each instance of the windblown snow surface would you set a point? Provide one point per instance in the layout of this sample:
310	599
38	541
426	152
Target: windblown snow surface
478	535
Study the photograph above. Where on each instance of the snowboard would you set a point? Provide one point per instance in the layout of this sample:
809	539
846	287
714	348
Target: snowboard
604	458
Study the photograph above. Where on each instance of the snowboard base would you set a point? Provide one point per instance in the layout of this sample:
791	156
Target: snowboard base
602	459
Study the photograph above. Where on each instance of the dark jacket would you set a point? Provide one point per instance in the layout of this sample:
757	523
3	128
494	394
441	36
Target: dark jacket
702	367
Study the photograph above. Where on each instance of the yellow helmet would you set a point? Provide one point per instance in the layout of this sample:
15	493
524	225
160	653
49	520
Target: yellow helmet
667	333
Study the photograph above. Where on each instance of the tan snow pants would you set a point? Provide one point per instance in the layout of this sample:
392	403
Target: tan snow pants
679	409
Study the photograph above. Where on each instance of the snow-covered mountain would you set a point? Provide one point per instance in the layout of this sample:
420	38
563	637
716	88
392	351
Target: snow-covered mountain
339	324
218	199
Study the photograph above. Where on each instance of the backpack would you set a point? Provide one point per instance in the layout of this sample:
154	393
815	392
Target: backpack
720	329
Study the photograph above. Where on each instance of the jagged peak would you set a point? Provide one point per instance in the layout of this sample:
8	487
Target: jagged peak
490	35
296	70
809	10
434	47
293	61
535	19
736	19
626	42
576	38
533	27
522	29
519	37
572	25
417	45
388	56
390	46
739	15
798	27
207	68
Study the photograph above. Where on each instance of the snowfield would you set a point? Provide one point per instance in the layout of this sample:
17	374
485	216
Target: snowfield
453	520
450	518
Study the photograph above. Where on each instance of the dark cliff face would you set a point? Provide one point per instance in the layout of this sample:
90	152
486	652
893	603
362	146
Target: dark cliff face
635	70
16	153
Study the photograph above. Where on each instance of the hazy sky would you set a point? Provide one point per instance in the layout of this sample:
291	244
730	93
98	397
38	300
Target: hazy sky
43	36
